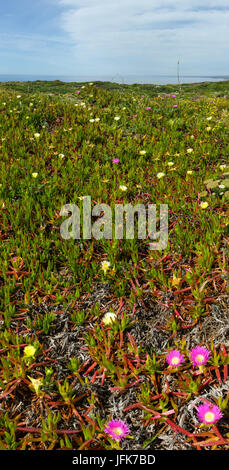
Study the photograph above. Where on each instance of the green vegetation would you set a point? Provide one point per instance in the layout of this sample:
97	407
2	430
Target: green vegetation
56	146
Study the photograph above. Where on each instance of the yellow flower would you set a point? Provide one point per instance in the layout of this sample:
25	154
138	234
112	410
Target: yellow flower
109	318
204	205
160	175
34	175
29	351
105	266
142	152
189	172
36	383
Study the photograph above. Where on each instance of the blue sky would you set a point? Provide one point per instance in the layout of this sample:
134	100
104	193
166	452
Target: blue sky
107	37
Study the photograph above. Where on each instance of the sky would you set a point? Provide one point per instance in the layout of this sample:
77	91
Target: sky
107	37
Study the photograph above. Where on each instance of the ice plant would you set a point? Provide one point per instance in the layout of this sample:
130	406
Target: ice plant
199	356
204	205
115	160
160	175
208	413
174	358
105	266
109	318
117	429
36	384
29	351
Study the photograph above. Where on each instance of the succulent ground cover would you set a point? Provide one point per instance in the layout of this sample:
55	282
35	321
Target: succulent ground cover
104	343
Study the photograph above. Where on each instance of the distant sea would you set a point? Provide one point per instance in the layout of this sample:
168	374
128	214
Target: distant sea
128	79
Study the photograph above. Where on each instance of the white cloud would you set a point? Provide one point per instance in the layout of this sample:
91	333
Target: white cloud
147	36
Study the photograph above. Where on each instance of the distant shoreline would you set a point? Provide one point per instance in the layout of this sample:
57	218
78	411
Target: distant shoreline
118	78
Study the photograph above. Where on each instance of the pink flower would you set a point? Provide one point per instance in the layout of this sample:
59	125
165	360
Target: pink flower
173	96
148	107
175	106
174	358
115	160
199	356
78	91
208	413
135	115
117	429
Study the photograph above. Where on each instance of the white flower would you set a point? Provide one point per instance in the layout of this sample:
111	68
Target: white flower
189	150
142	152
116	118
222	167
189	172
170	163
18	96
209	118
221	186
37	135
160	175
91	120
105	266
208	128
97	119
109	318
34	175
61	155
123	188
91	83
